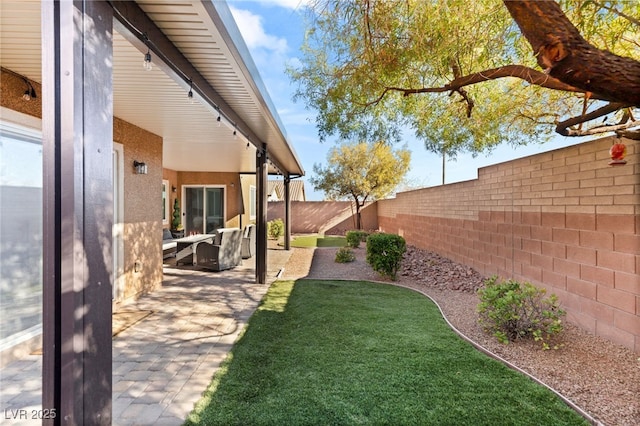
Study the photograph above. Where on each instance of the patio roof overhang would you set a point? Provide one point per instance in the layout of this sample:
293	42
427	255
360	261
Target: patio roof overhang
82	71
193	44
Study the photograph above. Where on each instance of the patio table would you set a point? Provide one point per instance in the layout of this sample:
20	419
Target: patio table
186	248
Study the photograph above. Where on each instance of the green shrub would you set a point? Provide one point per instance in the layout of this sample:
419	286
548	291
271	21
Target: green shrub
354	238
175	219
384	253
345	255
275	228
511	310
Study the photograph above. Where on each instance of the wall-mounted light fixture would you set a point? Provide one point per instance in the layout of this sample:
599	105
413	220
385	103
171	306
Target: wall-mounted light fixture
141	168
190	94
30	93
146	64
173	189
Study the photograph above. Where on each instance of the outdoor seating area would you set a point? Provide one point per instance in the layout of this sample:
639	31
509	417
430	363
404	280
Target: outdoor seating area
222	250
186	248
119	119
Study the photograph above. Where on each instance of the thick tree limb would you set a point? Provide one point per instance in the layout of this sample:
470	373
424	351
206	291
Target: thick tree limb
564	54
517	71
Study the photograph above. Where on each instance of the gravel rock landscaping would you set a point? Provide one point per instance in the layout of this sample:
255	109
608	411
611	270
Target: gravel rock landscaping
600	377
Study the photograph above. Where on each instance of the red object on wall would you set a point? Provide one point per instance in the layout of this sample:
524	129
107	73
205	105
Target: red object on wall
617	154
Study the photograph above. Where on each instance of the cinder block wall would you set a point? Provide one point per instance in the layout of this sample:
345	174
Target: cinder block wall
564	219
310	217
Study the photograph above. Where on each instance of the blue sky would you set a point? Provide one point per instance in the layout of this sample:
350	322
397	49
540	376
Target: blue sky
273	31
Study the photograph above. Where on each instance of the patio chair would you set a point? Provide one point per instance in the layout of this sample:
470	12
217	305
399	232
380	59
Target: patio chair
224	253
168	244
249	241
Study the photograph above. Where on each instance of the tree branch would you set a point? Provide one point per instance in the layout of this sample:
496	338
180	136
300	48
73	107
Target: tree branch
629	134
517	71
563	127
465	96
527	74
620	129
564	54
617	12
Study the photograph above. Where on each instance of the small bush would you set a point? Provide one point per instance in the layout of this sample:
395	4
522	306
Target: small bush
275	228
384	253
345	255
511	310
354	238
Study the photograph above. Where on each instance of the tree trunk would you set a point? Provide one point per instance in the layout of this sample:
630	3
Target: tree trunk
564	54
358	220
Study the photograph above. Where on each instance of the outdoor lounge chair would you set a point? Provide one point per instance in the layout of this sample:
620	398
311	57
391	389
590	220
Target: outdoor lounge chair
224	253
249	241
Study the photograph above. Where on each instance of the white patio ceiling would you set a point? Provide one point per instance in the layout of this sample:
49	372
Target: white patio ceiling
193	138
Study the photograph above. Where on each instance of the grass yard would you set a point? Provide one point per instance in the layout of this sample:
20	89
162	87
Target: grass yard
340	353
307	241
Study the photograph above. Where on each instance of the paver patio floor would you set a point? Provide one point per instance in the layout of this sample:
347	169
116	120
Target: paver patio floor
163	363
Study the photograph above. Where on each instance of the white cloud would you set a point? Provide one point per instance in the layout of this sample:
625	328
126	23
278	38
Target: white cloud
252	30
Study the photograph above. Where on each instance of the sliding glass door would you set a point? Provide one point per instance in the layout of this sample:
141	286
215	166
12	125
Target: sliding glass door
204	209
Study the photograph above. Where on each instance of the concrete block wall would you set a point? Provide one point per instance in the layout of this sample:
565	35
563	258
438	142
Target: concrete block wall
310	217
564	220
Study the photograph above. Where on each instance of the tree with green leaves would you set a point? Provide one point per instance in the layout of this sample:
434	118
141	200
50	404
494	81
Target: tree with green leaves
362	172
469	75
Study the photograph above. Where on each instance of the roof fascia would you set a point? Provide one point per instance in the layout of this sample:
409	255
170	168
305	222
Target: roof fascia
222	17
140	30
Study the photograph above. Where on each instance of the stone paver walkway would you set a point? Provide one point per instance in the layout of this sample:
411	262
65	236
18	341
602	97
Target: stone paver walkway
162	364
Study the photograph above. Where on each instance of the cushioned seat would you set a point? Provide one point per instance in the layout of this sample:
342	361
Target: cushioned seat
168	244
249	241
224	253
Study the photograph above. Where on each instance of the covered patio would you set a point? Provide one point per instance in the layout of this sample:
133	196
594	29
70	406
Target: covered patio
168	348
112	85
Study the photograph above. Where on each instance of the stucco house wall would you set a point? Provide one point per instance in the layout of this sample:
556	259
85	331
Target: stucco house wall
142	227
142	209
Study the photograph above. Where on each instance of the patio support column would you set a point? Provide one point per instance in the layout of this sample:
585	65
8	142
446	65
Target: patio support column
261	219
287	212
77	133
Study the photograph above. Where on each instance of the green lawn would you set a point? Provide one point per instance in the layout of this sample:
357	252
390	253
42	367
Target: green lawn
307	241
341	353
